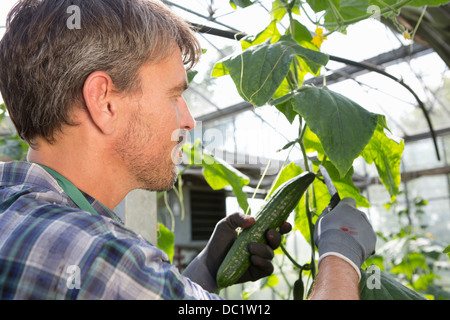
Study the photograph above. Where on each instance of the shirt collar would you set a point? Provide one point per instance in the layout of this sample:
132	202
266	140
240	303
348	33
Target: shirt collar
27	173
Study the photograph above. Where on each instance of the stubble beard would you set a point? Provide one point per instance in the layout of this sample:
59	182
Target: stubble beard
148	173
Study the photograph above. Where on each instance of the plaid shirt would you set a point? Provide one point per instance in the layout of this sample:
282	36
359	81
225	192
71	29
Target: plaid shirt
51	249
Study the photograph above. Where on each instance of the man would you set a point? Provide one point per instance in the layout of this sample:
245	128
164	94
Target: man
98	106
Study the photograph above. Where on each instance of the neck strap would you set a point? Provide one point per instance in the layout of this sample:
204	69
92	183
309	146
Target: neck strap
71	191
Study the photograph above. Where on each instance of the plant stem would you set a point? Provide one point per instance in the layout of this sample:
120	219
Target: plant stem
172	216
418	23
311	234
307	202
340	19
307	15
302	147
286	253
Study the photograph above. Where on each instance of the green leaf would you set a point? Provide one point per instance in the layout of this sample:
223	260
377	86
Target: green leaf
343	127
270	281
430	3
312	143
259	71
240	3
290	171
217	173
278	10
410	263
287	109
348	9
344	185
389	288
302	35
271	33
320	5
219	70
166	240
191	75
386	153
447	251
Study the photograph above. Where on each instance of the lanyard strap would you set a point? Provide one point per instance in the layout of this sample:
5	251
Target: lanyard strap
71	191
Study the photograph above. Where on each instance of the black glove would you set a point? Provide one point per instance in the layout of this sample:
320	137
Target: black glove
203	269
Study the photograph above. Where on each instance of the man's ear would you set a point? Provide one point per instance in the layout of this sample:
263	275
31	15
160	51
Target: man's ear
98	96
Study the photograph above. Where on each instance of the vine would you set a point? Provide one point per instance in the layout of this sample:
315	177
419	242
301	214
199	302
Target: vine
327	120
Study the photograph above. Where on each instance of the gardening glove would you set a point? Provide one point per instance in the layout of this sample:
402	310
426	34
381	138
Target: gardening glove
203	269
345	232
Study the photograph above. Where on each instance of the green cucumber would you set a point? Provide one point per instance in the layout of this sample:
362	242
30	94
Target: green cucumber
270	216
299	288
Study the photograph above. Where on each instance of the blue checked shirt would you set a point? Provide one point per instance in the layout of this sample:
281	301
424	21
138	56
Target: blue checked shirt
51	249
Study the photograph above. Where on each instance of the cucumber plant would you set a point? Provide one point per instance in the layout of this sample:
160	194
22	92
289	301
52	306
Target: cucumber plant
270	70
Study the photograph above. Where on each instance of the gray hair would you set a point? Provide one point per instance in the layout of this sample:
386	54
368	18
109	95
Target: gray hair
44	63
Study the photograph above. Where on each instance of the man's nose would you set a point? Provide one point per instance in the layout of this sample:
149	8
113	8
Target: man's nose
187	120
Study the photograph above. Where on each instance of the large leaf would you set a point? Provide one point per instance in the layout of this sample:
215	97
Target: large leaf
343	127
258	71
386	153
217	173
386	289
344	185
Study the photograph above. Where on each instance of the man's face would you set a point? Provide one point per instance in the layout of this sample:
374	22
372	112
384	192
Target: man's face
155	117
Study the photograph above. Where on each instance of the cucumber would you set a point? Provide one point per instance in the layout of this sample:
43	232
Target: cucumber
270	216
299	289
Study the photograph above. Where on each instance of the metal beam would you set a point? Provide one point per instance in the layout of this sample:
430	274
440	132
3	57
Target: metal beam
384	59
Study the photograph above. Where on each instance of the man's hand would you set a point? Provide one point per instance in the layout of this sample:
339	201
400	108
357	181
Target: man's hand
203	269
345	232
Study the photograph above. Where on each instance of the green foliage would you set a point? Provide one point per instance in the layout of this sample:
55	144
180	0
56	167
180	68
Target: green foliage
259	71
271	69
166	240
343	127
11	146
386	153
411	255
421	3
447	250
